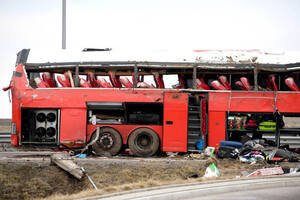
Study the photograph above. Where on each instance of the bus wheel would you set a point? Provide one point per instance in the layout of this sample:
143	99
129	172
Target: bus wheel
143	142
109	142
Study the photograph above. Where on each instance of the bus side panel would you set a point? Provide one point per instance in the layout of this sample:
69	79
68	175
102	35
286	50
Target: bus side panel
18	85
16	119
73	127
216	128
175	122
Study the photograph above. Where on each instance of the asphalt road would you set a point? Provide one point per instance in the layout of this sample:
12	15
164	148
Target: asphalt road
266	188
282	193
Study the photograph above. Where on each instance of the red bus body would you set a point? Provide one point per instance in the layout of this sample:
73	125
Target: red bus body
75	131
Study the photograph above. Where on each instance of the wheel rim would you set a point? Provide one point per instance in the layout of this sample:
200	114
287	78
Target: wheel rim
144	141
106	141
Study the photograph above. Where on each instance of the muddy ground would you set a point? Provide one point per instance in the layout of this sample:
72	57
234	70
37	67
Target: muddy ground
35	177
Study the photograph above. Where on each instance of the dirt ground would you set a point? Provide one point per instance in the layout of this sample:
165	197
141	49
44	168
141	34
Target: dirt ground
36	178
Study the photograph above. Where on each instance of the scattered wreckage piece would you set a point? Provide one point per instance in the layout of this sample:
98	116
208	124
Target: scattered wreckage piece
267	172
65	162
283	154
256	150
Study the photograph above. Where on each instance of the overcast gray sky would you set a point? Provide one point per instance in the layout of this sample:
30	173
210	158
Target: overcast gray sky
144	24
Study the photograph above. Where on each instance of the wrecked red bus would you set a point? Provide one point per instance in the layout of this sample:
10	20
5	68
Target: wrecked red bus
63	104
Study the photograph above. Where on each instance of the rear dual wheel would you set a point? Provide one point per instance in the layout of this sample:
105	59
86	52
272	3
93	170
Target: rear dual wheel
143	142
109	142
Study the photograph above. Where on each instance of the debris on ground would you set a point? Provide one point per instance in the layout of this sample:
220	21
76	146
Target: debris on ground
230	161
256	150
209	151
227	152
64	161
291	171
172	154
116	174
283	154
211	171
92	142
90	179
252	156
231	144
267	172
259	151
81	155
198	156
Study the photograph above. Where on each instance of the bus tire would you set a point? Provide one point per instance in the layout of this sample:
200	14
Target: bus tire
143	142
109	142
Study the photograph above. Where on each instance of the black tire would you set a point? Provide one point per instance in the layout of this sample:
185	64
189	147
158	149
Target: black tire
143	142
109	142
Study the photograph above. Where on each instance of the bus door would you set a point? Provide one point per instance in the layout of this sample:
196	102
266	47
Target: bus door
175	122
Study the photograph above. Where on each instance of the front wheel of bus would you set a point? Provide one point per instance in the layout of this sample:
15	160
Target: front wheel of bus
108	143
143	142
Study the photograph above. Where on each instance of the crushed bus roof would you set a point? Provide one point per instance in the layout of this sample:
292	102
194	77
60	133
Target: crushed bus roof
123	65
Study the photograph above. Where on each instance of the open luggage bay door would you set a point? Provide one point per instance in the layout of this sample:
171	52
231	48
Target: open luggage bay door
175	122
